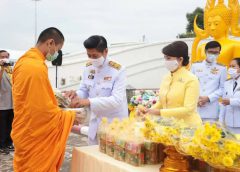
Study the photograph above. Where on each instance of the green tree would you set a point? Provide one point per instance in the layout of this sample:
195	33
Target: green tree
190	18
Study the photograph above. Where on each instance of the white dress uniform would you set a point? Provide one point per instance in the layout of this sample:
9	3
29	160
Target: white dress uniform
105	87
211	77
230	114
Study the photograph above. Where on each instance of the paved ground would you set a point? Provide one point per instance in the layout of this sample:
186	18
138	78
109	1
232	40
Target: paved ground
73	140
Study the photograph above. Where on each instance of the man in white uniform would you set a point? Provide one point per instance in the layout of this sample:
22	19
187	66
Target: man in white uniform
211	76
103	86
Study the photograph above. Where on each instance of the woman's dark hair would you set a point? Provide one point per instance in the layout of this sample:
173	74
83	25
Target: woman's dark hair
212	44
96	42
177	49
237	59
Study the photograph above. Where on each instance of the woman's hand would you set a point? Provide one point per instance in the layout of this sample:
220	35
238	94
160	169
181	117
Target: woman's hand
154	111
141	110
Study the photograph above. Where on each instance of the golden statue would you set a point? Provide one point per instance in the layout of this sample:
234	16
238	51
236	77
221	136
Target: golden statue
219	22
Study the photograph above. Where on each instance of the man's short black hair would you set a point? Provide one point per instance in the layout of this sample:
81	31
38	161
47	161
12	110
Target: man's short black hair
51	33
212	44
237	59
96	42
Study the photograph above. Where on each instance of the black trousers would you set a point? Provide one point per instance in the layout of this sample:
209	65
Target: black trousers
6	118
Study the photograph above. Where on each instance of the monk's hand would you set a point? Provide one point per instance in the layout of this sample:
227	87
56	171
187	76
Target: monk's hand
226	102
75	103
70	94
79	118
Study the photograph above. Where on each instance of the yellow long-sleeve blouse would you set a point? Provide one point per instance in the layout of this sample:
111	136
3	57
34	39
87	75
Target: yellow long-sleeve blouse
179	93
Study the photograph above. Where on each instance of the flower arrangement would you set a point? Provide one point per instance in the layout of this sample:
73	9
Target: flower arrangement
214	144
146	98
162	130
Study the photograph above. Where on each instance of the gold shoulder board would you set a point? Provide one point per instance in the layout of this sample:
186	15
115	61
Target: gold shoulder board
88	64
114	65
221	64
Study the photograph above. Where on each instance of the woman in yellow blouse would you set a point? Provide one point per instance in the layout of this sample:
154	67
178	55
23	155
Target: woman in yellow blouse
179	90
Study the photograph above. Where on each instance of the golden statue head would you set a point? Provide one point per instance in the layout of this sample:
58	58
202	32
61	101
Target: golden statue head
219	19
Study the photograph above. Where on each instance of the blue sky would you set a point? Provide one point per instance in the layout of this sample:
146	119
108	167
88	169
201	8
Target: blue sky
117	20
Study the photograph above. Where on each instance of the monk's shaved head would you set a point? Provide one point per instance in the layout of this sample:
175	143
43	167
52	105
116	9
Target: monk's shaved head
51	33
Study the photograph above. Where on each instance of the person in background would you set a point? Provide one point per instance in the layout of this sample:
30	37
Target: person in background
211	76
103	86
230	107
179	90
6	105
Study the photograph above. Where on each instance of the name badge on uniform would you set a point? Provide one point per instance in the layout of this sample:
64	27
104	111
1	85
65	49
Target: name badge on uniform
90	76
199	70
107	78
214	71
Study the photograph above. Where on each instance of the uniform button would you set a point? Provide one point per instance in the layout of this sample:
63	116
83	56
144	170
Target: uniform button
203	90
97	94
98	83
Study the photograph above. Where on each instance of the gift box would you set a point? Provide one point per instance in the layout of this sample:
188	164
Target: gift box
102	134
102	143
119	150
134	153
110	145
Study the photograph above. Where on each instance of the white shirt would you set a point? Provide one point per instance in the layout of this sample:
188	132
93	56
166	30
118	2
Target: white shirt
211	78
230	114
105	88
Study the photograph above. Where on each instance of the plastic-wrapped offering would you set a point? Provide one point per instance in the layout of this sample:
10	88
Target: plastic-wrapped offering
63	102
119	149
213	144
82	114
110	137
134	153
120	141
102	135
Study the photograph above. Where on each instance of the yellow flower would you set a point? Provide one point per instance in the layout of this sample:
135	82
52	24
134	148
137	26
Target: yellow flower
227	161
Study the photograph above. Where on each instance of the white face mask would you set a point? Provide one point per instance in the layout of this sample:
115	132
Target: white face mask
211	57
233	73
171	65
97	62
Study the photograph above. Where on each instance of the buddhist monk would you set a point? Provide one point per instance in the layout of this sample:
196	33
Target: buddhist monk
40	128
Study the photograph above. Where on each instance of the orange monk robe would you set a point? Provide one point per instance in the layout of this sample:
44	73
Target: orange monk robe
40	128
